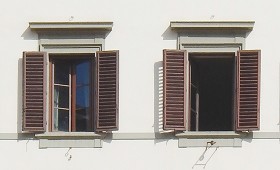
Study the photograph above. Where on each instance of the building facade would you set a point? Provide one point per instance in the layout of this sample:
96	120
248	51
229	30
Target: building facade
139	85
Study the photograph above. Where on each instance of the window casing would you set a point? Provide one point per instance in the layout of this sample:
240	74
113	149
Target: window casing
71	87
196	40
211	86
75	49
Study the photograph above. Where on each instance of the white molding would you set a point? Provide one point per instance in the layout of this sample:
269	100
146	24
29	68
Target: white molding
185	142
211	134
239	26
140	136
69	135
70	143
52	26
205	36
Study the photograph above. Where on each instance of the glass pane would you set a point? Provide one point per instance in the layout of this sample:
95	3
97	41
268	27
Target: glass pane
61	96
61	73
83	119
61	120
83	72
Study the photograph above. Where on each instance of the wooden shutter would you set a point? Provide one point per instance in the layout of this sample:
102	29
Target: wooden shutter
248	90
174	72
34	91
107	102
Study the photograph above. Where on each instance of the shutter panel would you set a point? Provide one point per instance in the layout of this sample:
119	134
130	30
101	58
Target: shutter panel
174	106
34	91
248	90
107	102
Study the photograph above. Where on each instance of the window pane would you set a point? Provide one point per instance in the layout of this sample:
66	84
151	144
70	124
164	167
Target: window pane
61	73
61	96
61	120
83	118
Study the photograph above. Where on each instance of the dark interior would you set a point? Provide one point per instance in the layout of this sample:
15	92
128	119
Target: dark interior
214	80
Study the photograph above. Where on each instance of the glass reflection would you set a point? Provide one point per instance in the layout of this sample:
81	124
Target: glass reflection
83	96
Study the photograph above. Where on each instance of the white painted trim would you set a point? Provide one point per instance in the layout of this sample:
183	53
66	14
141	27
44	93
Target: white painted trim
211	134
49	26
70	143
69	135
185	142
218	25
140	136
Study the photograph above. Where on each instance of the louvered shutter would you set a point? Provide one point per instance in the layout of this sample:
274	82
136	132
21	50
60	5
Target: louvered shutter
107	102
174	85
34	91
248	90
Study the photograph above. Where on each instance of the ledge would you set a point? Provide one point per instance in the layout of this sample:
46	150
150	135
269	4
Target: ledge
69	140
87	26
185	142
246	26
211	134
69	135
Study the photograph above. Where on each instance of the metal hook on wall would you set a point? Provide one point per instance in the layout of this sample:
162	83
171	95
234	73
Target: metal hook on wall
202	155
67	153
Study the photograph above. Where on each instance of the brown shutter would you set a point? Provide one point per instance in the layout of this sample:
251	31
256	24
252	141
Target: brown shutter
107	102
34	91
174	106
248	90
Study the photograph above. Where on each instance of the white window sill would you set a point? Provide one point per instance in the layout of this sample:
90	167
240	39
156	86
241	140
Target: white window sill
202	139
70	140
210	134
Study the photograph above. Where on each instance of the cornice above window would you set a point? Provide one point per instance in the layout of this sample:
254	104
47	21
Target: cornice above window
66	26
212	36
202	26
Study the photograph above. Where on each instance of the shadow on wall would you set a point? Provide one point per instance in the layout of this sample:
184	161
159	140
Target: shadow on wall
19	98
29	35
279	104
169	34
158	97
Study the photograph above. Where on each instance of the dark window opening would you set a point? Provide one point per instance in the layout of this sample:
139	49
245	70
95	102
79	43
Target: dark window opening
71	88
212	93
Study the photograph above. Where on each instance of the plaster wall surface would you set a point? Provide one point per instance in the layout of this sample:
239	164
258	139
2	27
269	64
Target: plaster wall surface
141	31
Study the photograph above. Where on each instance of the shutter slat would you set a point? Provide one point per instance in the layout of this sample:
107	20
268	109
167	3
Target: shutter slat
107	91
174	85
248	91
34	90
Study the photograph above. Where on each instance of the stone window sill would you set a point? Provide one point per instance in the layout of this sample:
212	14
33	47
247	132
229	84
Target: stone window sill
217	139
70	140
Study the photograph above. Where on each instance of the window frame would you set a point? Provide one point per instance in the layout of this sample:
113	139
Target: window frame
205	55
68	38
207	37
70	58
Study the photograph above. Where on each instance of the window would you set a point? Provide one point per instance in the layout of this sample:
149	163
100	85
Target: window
222	91
71	84
211	92
83	92
211	83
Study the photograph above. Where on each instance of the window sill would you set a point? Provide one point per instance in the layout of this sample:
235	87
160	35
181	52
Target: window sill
70	140
202	139
211	134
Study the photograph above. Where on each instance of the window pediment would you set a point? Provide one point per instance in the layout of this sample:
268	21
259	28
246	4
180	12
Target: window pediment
208	36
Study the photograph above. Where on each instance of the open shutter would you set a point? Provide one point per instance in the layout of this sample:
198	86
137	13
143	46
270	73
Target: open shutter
248	90
34	91
107	103
174	85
